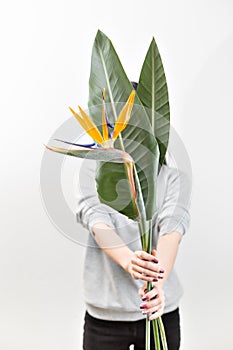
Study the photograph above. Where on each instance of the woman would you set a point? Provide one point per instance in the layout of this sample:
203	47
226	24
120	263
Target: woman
116	269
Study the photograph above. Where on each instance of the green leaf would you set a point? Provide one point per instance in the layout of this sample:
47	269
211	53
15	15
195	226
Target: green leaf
153	93
114	190
107	72
137	139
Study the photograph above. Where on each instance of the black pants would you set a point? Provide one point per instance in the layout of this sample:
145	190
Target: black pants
119	335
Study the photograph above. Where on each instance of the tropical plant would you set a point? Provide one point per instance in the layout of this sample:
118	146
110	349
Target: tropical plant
133	142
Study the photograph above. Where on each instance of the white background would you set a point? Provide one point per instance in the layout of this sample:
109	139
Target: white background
45	61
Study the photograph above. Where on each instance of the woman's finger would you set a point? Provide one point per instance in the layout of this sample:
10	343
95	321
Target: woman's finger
153	310
146	256
143	290
149	295
154	252
156	314
148	266
139	276
151	306
146	272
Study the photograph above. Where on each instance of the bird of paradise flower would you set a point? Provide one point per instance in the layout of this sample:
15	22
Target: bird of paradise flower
103	146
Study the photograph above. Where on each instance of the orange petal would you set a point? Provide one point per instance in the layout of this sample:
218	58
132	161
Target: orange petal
104	121
88	125
124	116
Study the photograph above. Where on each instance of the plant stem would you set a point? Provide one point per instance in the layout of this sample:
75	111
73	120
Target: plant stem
149	239
149	284
156	334
162	333
147	333
145	239
142	234
158	328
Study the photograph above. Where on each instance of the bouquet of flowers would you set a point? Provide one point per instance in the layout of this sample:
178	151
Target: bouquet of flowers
130	133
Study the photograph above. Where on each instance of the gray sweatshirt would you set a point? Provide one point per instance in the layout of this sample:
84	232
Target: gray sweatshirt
110	293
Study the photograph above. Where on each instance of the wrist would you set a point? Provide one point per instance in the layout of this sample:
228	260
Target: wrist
160	283
126	262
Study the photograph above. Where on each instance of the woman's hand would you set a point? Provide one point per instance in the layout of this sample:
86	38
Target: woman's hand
145	267
153	301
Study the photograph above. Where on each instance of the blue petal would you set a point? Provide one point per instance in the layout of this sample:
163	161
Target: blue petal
89	145
109	124
110	134
98	146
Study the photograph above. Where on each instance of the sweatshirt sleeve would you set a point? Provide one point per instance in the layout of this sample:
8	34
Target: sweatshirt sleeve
89	209
174	212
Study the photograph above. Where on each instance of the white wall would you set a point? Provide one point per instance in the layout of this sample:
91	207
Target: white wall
45	60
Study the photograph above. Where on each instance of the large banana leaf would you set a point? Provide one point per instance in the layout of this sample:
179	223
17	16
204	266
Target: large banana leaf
107	72
137	139
153	93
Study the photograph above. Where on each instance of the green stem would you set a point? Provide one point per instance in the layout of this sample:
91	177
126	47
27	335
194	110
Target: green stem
141	210
158	328
142	234
147	333
149	240
145	239
162	333
149	285
156	334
